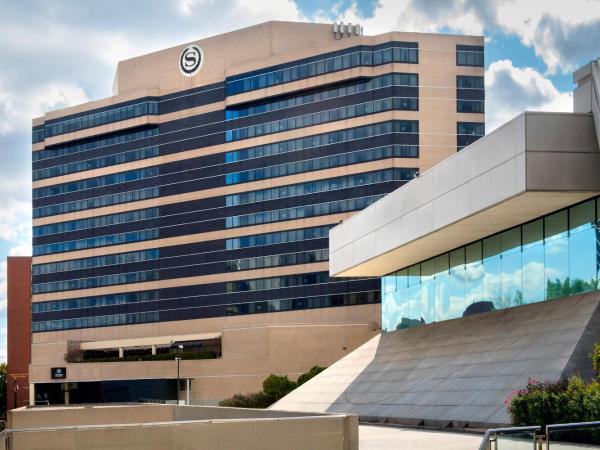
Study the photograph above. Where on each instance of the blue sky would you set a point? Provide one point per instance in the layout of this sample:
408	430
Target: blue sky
57	53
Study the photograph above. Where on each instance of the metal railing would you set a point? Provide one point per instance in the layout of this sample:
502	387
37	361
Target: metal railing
589	435
490	438
574	428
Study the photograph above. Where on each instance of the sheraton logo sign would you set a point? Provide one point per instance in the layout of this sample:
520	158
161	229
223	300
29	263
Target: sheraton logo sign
191	60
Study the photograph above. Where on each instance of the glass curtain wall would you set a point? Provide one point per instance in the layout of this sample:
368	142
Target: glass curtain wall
554	256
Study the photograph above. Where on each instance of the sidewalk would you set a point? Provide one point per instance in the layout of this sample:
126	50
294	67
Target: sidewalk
395	438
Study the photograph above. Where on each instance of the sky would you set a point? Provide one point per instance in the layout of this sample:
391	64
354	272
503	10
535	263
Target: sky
58	53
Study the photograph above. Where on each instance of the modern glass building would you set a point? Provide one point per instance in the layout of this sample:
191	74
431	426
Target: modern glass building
551	257
189	212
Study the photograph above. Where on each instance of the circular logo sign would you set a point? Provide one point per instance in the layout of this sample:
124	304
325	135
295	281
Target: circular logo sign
191	60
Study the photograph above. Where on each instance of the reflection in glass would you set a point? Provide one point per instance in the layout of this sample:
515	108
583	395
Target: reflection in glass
556	255
457	284
427	292
442	293
551	257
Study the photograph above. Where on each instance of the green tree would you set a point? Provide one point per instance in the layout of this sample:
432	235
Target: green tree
278	386
3	398
313	372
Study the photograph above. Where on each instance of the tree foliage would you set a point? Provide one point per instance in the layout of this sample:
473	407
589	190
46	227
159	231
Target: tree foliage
274	388
3	398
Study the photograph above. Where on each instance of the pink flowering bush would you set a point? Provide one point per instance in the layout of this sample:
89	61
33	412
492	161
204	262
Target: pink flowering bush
596	359
548	402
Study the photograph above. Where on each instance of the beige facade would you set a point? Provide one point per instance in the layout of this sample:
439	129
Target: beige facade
165	427
254	345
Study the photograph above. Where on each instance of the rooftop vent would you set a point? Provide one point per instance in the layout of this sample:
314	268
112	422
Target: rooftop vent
346	29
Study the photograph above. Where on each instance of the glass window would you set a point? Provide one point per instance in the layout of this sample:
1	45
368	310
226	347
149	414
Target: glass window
532	260
583	248
442	287
555	256
457	283
427	292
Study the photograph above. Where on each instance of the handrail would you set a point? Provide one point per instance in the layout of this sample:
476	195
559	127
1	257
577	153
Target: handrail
568	426
509	430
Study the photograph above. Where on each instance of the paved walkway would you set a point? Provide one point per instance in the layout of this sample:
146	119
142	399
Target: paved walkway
395	438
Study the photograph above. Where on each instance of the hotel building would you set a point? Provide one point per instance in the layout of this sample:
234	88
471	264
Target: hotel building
180	226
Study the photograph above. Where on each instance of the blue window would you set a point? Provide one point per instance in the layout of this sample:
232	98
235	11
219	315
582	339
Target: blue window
95	222
391	79
96	261
95	163
349	134
301	212
551	257
92	183
468	132
93	143
94	282
38	136
98	241
286	259
280	237
345	112
313	187
96	202
343	159
469	55
101	118
402	52
470	94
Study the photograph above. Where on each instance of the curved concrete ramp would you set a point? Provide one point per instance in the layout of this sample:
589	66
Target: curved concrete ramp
457	372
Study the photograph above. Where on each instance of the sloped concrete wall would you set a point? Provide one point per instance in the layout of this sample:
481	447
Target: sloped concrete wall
457	372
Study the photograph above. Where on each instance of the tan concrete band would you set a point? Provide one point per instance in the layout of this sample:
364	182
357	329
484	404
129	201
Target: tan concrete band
187	281
198	237
233	189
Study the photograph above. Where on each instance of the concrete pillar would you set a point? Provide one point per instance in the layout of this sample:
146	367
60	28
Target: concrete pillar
67	396
154	349
31	394
121	352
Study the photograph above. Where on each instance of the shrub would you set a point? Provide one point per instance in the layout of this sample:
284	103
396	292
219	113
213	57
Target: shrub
595	356
274	388
277	386
254	400
544	403
313	372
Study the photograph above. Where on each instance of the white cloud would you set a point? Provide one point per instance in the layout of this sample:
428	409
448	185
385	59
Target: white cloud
17	108
511	90
563	34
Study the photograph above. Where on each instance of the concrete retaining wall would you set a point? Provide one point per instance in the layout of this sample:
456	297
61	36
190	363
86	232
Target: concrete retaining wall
165	427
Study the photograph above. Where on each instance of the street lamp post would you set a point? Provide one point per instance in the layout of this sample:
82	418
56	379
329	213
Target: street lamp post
178	358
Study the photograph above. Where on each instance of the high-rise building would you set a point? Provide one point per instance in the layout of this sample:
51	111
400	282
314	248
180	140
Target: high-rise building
187	216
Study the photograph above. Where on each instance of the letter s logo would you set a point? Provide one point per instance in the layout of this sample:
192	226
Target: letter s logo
191	60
